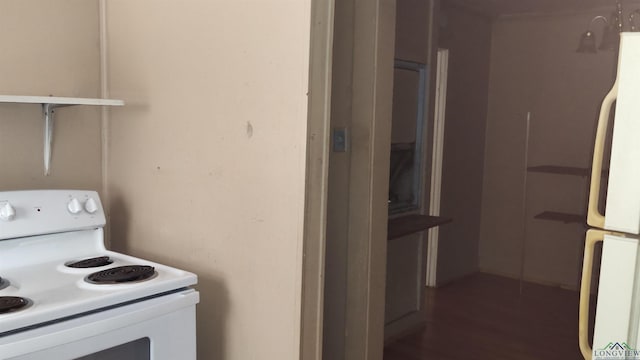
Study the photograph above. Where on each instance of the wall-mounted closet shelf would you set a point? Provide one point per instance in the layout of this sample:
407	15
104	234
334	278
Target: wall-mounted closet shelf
562	217
563	170
566	218
49	105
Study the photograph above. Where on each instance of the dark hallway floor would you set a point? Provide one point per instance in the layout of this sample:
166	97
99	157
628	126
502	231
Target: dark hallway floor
485	317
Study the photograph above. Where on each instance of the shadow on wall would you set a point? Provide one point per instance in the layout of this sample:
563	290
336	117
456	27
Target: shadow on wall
118	225
211	317
213	309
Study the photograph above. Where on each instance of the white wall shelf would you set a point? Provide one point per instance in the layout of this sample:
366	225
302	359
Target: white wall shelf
68	101
49	105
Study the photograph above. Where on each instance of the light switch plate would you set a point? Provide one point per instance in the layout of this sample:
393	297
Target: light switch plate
339	139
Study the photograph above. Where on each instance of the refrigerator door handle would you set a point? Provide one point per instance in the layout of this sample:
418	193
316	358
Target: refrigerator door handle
594	217
593	237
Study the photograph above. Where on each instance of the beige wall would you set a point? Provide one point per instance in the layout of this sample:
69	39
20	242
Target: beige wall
468	38
412	30
207	161
49	48
405	88
405	274
534	68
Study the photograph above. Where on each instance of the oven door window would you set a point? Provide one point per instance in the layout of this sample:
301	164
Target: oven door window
134	350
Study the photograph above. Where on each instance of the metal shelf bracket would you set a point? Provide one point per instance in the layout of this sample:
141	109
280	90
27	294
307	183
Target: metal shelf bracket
49	111
49	106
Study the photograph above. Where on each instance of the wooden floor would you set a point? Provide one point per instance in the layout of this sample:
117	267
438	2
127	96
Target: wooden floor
485	317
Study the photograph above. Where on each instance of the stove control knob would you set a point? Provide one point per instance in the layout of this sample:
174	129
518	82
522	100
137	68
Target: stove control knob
91	206
74	206
7	212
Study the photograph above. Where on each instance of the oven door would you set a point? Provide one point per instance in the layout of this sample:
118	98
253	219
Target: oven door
160	328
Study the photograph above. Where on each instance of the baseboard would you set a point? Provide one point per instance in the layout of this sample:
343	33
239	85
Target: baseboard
406	325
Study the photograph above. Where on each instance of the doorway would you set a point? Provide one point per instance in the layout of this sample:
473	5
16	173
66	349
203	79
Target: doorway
483	178
503	66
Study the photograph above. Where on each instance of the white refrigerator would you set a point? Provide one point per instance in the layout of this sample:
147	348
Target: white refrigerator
617	319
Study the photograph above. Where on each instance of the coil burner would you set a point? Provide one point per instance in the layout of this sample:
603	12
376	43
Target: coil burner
122	274
90	263
10	304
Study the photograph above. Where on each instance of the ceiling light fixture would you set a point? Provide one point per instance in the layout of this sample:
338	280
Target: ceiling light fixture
610	34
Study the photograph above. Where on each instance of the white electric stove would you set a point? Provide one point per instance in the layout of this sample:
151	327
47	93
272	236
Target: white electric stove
64	296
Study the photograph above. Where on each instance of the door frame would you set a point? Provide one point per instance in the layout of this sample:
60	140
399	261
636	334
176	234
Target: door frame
373	59
373	52
317	170
442	66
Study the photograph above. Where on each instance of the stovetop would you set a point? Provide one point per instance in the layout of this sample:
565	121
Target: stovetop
35	268
56	291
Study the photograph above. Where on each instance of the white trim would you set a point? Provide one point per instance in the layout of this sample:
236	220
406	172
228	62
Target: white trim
317	178
436	162
104	119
